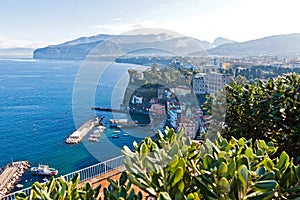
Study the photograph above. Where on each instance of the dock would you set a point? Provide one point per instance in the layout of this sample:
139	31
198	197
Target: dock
11	175
78	135
109	110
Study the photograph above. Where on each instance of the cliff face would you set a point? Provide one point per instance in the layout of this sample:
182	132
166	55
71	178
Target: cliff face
73	52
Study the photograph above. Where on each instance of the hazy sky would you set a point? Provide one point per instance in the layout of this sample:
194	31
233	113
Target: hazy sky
36	23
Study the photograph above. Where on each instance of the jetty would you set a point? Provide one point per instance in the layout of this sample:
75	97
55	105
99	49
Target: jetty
78	135
11	175
109	110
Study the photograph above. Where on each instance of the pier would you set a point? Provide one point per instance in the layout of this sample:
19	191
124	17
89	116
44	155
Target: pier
11	175
109	110
78	135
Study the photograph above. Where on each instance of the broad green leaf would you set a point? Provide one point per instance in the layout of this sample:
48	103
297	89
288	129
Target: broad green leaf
243	175
222	169
265	186
283	162
224	185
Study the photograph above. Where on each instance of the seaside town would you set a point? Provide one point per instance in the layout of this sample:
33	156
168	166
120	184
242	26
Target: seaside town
206	76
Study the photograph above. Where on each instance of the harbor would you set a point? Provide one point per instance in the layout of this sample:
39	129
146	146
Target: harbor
78	135
11	175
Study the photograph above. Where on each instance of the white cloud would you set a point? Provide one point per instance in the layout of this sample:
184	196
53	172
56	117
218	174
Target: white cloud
121	28
118	19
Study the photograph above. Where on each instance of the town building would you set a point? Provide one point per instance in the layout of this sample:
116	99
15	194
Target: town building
158	109
209	83
189	127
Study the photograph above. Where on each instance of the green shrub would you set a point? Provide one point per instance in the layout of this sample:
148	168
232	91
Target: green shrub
267	110
60	189
174	167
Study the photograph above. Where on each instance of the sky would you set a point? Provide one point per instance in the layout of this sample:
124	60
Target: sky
37	23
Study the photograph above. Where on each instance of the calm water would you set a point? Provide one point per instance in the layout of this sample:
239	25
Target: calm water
36	115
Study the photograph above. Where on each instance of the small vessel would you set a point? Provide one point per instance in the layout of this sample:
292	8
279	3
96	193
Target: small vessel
101	128
95	135
44	170
93	139
117	131
125	134
115	136
19	185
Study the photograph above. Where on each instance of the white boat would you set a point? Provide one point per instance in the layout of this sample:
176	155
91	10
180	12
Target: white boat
93	139
19	185
44	170
101	128
96	135
117	131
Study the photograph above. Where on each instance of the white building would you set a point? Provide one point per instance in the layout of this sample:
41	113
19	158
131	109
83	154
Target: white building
199	84
209	83
136	99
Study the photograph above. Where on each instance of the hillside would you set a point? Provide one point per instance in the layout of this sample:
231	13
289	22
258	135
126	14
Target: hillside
155	44
134	44
278	45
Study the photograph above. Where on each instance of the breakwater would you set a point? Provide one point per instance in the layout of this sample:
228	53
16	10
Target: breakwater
82	131
11	175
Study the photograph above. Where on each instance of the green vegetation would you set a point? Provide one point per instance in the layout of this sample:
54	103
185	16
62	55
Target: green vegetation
60	189
121	190
174	167
256	73
267	110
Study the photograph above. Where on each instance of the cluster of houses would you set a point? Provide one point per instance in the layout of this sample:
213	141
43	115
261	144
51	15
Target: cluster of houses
182	114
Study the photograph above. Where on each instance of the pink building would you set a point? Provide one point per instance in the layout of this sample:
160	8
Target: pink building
189	127
158	109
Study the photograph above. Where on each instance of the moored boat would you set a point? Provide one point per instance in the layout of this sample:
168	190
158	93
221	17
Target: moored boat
44	170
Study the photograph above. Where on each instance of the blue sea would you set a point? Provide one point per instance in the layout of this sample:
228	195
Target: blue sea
40	105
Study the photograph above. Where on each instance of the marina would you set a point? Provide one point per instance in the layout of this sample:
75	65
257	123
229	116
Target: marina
11	175
78	135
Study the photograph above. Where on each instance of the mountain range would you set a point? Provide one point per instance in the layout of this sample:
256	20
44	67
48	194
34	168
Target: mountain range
151	44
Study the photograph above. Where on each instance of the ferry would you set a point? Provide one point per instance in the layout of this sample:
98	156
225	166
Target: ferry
44	170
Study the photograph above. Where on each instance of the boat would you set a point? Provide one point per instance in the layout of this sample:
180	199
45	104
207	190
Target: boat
115	136
44	170
124	123
117	131
19	185
125	134
96	135
101	128
93	139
